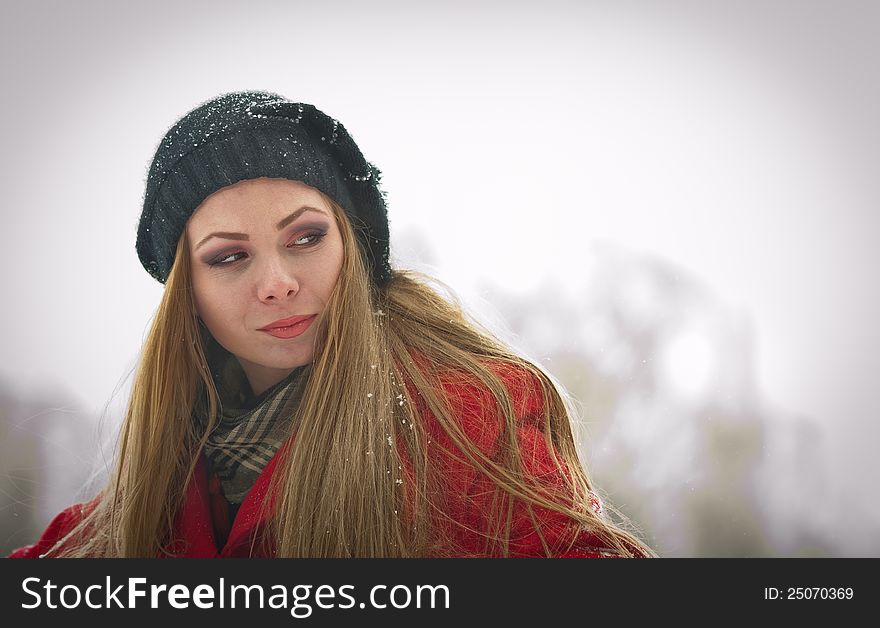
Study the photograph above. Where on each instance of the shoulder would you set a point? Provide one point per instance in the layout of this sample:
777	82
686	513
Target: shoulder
477	416
475	406
520	382
60	527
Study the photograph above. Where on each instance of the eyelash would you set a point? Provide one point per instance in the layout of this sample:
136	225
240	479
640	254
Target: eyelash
318	235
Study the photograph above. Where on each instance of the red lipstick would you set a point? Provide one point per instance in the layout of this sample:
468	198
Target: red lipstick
289	327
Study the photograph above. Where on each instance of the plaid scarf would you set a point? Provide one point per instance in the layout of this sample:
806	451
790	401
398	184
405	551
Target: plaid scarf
251	427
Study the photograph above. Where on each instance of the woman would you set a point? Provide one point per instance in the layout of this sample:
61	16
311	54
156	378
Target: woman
298	397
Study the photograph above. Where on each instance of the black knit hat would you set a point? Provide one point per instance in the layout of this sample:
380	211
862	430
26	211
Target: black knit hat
247	135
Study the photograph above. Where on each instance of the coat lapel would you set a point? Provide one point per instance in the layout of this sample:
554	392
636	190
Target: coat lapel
252	515
195	530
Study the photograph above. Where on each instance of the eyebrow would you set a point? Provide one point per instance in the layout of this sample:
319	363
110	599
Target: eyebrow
228	235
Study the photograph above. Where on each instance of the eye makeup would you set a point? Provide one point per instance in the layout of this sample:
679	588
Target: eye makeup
314	234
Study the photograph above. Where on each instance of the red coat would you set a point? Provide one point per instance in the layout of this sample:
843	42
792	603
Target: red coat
198	535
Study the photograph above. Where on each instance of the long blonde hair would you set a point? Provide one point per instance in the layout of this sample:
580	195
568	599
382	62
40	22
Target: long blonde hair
359	481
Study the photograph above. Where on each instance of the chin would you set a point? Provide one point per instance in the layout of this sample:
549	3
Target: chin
290	363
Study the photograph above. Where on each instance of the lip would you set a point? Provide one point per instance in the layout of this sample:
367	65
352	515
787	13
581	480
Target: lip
286	322
291	330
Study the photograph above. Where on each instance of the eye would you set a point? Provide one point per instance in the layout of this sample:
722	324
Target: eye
221	261
308	239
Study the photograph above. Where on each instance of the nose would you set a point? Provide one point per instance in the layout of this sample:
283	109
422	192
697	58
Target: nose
276	281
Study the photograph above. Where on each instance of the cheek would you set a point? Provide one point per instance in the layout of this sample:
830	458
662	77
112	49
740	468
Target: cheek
211	303
331	273
219	314
199	303
199	299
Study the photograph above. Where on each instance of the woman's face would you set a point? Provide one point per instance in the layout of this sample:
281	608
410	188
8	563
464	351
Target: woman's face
262	251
